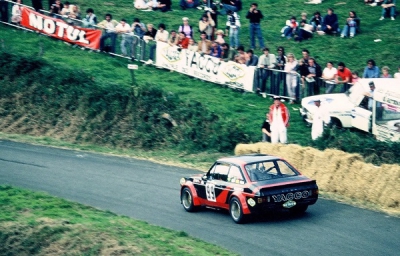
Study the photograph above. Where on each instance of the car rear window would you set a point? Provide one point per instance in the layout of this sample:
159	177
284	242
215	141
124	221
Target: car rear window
268	170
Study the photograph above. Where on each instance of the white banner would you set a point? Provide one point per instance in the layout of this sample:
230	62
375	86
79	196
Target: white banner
205	67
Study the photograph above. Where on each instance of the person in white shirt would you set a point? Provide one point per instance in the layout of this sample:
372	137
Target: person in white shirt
124	29
329	75
321	117
397	75
265	61
16	13
291	76
162	35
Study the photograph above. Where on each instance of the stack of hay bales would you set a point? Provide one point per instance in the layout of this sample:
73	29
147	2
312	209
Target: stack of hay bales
338	172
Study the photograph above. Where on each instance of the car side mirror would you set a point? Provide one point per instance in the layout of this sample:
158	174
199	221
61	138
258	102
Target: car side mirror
204	177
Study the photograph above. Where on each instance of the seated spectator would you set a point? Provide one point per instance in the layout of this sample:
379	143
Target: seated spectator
397	75
291	28
316	21
204	45
314	72
291	76
206	25
185	4
220	37
90	20
388	7
109	26
329	75
163	5
233	25
251	58
55	9
241	55
231	5
216	50
371	70
173	38
161	36
145	5
186	28
352	25
305	31
192	44
304	17
228	53
385	72
127	37
343	76
16	13
183	41
330	23
354	77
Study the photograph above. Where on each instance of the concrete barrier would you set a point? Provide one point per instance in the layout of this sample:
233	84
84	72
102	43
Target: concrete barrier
344	174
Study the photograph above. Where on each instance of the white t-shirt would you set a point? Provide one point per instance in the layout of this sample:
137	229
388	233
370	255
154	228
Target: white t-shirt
329	74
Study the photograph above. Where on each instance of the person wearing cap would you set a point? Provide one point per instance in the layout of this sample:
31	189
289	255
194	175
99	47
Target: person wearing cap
321	116
185	4
186	28
278	117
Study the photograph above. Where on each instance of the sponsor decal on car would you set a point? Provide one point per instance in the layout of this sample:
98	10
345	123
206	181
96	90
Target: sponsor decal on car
290	196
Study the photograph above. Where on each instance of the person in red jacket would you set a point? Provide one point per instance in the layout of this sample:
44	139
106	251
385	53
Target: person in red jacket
279	119
183	41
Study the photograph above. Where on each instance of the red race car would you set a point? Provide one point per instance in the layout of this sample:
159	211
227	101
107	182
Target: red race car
249	184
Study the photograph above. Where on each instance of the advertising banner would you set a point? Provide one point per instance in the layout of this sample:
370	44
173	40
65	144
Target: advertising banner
205	67
89	38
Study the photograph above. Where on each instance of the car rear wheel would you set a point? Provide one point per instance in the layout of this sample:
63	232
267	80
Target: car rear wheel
299	209
187	200
236	211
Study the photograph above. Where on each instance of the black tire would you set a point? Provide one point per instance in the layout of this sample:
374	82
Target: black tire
336	124
236	211
187	200
299	209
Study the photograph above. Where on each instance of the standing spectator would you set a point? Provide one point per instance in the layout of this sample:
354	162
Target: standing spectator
204	46
37	5
183	41
330	23
206	25
233	24
127	37
321	116
312	77
343	76
397	75
109	26
371	70
251	59
90	20
228	53
281	58
185	4
291	76
278	117
138	29
329	75
354	77
55	8
316	21
352	25
370	95
186	28
266	61
241	55
291	28
266	130
216	50
385	72
161	36
254	15
163	5
388	6
306	55
16	13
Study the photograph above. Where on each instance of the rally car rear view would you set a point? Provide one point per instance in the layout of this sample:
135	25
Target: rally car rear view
249	184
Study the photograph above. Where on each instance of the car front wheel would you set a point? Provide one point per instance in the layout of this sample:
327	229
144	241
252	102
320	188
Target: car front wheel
187	200
236	211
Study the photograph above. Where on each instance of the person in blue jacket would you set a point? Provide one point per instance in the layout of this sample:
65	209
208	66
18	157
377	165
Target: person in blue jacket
371	70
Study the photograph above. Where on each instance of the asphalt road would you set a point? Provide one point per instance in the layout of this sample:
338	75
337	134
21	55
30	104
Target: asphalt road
148	191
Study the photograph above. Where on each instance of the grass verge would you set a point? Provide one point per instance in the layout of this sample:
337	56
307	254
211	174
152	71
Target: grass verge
33	223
